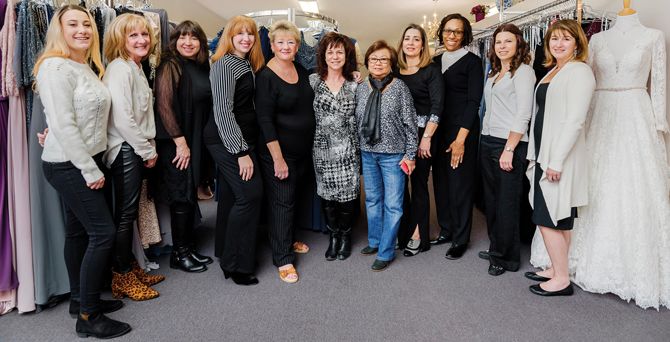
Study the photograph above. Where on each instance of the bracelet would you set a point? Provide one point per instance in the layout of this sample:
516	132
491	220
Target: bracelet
426	136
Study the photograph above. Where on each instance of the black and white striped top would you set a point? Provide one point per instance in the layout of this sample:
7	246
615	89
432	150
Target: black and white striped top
235	124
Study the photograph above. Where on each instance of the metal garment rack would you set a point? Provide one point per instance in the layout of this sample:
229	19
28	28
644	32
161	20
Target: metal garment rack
290	14
579	6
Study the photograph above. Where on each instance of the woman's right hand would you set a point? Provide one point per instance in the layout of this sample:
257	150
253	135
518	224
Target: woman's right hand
42	137
183	156
246	167
99	184
281	169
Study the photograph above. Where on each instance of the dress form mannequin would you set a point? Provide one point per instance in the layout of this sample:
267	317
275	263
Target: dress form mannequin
626	9
623	36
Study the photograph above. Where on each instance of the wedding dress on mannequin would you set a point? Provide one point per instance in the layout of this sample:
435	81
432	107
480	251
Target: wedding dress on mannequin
621	241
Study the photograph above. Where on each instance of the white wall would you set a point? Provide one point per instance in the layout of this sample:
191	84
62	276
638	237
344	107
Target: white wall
180	10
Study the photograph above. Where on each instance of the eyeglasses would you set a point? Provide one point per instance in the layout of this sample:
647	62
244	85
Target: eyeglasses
456	33
382	61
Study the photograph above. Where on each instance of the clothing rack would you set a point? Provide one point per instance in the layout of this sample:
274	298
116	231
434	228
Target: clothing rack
554	5
291	14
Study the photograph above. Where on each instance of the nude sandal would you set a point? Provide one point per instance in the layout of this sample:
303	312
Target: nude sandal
300	247
289	275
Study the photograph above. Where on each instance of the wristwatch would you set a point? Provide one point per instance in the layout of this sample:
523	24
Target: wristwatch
426	136
509	149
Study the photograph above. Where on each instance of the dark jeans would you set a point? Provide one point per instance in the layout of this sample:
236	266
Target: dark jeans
89	231
126	177
237	213
503	193
281	196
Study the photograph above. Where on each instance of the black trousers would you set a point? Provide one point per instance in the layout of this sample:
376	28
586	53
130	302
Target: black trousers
419	207
126	177
503	193
281	195
89	231
455	188
238	212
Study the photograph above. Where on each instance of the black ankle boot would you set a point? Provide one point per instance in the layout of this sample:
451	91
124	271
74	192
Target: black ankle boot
106	306
203	259
181	259
100	326
333	245
345	245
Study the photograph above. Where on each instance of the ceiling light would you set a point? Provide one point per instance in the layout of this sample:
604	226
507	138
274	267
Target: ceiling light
309	6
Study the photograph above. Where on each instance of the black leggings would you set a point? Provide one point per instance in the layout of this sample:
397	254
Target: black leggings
89	231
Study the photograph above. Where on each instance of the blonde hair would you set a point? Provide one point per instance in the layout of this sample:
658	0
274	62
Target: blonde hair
236	25
572	28
117	32
284	26
56	46
424	55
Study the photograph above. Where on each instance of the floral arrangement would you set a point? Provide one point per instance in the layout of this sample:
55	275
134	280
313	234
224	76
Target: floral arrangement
479	9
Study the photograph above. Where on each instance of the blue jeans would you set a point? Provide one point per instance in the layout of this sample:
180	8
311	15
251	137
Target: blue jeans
384	190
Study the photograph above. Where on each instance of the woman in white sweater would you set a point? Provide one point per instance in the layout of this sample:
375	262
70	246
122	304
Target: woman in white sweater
76	104
130	144
557	150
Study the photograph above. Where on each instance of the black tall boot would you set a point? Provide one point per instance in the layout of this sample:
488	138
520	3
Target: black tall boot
181	255
345	222
330	210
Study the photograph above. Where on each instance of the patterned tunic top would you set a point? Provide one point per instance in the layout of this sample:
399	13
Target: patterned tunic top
398	119
335	151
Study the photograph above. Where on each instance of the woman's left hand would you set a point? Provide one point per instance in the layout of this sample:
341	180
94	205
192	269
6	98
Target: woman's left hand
424	148
506	161
357	76
457	149
411	164
553	176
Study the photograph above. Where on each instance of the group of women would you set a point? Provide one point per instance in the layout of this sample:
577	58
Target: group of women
266	125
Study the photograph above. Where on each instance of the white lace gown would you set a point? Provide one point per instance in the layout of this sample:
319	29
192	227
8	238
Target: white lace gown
621	240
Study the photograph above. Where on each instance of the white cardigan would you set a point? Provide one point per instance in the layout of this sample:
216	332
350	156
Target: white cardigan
563	146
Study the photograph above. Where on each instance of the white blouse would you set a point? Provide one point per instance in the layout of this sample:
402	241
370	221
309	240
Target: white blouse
132	117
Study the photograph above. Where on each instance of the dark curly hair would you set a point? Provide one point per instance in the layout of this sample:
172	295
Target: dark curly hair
334	39
522	54
467	29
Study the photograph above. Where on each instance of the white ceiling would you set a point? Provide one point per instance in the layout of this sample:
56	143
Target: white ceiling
365	20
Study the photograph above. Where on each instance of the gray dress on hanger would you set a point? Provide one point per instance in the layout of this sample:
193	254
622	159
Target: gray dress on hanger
48	220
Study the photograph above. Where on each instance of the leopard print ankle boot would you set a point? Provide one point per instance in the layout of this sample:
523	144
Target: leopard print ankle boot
128	285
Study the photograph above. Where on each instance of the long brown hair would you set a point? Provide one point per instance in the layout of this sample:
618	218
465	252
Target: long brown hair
522	54
424	55
189	28
236	25
572	28
334	39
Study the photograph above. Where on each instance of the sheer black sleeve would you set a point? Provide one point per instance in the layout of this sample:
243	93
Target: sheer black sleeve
167	82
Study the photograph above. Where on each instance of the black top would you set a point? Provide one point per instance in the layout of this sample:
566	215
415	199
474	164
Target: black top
463	89
233	121
427	89
540	99
285	112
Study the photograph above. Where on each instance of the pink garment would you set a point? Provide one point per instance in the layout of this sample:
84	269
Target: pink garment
8	85
18	197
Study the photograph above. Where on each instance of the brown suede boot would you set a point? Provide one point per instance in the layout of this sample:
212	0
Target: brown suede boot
128	285
144	277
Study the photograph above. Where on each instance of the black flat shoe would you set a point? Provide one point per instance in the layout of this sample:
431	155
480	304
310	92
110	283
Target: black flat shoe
534	276
455	252
106	306
484	255
369	250
100	326
380	265
536	289
203	259
496	270
442	239
241	278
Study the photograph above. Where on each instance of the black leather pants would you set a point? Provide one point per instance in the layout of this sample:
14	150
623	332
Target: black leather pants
126	172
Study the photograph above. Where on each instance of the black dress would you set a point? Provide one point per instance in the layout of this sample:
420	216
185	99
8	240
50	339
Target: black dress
540	212
187	84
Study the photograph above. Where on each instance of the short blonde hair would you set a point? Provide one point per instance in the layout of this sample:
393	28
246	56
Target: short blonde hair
284	26
572	28
117	32
236	25
56	46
